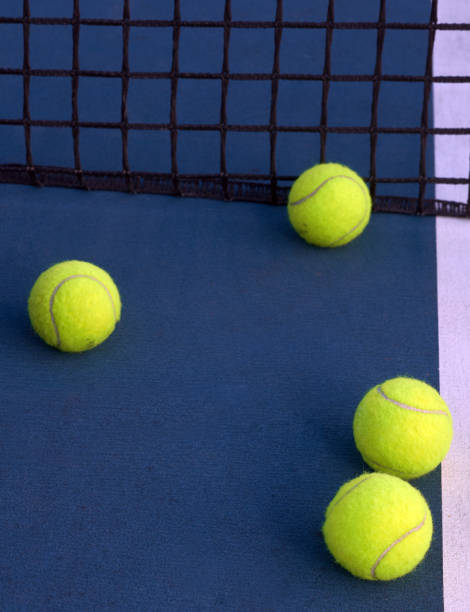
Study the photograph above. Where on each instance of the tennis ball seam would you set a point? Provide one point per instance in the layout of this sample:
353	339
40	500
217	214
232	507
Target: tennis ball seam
407	406
59	285
371	461
395	543
366	477
315	191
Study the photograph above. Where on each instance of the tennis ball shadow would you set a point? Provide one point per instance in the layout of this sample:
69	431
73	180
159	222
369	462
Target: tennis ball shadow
324	436
15	324
288	234
308	542
16	329
299	528
335	435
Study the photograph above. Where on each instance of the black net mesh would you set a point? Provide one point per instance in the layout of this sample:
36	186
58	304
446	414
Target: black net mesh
269	185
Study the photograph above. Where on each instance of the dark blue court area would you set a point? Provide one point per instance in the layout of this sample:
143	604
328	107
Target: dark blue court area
185	464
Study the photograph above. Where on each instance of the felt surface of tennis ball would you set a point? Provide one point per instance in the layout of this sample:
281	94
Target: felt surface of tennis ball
74	306
378	527
403	427
329	205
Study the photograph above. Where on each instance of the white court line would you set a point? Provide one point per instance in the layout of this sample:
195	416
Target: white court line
452	109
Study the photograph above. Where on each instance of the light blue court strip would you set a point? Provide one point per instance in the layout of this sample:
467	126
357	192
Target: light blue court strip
452	109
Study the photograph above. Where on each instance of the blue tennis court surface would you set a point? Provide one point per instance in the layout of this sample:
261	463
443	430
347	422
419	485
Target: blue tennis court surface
186	463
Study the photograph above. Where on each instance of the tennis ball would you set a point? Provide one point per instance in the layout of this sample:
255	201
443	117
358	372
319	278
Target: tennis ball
329	205
403	427
378	527
74	306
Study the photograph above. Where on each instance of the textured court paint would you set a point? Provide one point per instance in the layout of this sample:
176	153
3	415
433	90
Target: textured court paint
405	406
453	267
59	285
184	450
451	109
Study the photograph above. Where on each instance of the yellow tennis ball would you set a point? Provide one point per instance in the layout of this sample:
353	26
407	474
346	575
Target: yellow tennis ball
378	527
329	205
74	306
403	427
